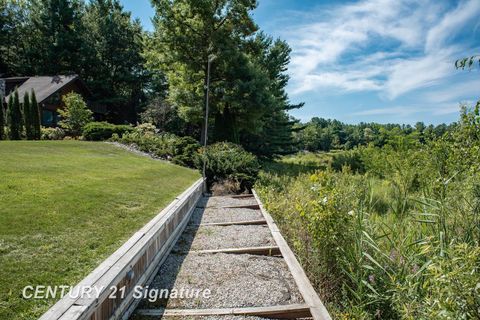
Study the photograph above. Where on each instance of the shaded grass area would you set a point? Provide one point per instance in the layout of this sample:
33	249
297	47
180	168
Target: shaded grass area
67	205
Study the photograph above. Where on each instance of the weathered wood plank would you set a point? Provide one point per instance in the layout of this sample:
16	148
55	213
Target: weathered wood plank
276	312
73	312
248	206
147	277
261	251
242	196
318	310
232	223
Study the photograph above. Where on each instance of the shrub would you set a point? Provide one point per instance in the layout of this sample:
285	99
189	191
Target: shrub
351	159
229	162
101	131
179	150
52	133
186	149
146	128
75	115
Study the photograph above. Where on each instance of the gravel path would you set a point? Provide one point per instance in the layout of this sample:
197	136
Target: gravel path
233	280
215	215
204	318
227	201
218	237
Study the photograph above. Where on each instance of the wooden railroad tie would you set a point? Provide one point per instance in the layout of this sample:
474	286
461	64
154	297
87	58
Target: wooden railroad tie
232	223
292	311
259	251
247	206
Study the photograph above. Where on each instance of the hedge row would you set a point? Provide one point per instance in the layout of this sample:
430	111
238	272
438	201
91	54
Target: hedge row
101	131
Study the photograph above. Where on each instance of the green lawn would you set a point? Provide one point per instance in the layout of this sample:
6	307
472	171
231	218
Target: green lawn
65	206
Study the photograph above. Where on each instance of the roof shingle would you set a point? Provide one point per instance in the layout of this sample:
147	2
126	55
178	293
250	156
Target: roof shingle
44	86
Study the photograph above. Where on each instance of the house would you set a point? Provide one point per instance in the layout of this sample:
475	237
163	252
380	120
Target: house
49	91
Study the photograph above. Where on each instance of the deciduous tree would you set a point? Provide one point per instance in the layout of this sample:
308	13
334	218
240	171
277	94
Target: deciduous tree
75	115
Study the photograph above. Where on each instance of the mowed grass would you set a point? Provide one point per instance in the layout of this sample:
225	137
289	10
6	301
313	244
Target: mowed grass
66	206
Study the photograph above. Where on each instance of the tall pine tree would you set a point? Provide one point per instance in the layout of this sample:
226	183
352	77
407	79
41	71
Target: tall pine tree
58	38
248	102
36	119
14	117
27	114
188	33
2	120
274	135
116	73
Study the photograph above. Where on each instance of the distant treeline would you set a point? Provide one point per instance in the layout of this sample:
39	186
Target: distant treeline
324	134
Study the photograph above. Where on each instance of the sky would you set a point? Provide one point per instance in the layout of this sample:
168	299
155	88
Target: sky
386	61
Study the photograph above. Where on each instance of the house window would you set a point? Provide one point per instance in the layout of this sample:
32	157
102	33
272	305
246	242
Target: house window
49	118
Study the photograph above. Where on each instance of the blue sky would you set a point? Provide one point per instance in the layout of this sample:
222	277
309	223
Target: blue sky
372	60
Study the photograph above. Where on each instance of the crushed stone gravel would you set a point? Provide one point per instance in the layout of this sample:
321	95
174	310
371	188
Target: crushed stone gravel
227	201
216	215
140	317
221	237
234	281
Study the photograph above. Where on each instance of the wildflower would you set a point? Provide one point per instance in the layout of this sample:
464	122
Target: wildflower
393	255
415	268
351	213
371	279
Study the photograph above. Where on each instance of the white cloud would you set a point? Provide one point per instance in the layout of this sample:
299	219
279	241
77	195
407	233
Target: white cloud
456	92
387	46
411	74
397	111
451	24
446	108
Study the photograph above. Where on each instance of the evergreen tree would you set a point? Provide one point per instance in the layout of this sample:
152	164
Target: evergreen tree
274	131
27	114
35	111
14	117
15	31
2	120
188	33
116	73
58	37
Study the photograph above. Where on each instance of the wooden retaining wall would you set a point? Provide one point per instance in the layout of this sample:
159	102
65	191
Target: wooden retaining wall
131	265
312	300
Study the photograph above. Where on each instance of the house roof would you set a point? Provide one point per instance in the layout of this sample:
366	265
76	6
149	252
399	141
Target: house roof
44	86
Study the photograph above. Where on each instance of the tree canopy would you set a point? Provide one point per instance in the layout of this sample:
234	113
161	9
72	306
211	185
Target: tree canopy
129	70
248	102
97	40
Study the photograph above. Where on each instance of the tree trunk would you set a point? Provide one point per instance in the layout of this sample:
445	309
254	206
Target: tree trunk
205	97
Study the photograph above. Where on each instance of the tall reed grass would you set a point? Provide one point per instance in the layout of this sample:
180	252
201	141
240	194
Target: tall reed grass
399	241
